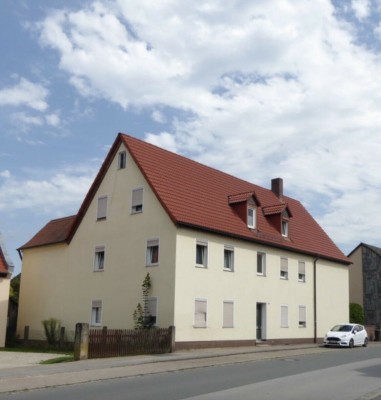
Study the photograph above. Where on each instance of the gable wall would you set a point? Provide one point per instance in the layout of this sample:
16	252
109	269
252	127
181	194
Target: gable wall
372	286
356	291
70	282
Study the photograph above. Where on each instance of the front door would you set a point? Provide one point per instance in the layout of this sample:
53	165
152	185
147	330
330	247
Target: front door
261	319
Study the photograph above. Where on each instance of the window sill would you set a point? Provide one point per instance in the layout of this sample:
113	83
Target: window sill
302	281
199	327
228	270
228	327
98	270
136	212
283	279
284	327
95	325
152	265
201	266
259	274
101	219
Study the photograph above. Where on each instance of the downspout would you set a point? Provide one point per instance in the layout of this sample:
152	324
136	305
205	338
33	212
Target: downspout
315	306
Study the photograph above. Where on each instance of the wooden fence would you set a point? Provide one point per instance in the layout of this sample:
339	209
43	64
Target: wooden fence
123	342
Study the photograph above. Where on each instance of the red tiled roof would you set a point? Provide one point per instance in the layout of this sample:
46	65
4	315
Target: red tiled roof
196	195
55	231
240	197
3	263
277	209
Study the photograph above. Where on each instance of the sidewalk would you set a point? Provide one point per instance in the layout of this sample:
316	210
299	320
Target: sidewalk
40	376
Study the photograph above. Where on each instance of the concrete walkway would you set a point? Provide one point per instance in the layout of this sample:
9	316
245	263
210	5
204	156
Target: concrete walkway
27	376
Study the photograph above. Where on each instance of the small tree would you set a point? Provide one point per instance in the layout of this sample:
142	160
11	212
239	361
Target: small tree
141	316
52	329
356	314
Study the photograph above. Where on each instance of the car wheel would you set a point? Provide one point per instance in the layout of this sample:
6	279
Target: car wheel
365	342
351	344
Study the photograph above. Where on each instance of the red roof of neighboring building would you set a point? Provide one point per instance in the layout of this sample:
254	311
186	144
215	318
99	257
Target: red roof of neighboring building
55	231
3	263
195	195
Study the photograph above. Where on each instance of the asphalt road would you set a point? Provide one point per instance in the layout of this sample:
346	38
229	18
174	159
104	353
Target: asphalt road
337	375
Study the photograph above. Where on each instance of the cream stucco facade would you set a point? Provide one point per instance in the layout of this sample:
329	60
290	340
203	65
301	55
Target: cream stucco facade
4	297
60	281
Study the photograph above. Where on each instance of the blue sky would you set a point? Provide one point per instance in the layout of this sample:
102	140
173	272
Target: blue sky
258	89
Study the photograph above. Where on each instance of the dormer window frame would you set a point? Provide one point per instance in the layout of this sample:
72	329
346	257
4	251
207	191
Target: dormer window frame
285	223
251	216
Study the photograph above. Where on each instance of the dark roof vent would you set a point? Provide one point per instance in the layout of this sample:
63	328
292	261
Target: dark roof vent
277	187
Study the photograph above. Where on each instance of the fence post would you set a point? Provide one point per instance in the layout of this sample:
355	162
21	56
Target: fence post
172	331
26	334
81	342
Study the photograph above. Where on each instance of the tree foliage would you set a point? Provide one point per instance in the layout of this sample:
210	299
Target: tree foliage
356	313
141	316
52	328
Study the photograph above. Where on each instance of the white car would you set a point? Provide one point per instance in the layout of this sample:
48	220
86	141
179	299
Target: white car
346	335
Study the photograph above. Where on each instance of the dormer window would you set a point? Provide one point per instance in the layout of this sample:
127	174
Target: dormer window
252	217
285	217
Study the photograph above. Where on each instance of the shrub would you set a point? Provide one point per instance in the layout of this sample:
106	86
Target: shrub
52	328
356	314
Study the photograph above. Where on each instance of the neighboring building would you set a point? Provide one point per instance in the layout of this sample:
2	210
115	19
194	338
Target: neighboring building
365	281
6	269
230	262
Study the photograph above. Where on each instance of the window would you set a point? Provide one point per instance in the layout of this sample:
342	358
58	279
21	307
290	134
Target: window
284	228
200	313
96	313
152	310
251	218
228	314
283	268
152	255
137	201
301	271
102	208
302	317
99	258
284	316
229	258
122	158
202	254
261	263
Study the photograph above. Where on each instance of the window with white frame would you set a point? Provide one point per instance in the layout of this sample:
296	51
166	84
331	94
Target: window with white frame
302	317
96	313
261	263
99	258
285	217
283	268
201	254
102	208
284	227
152	254
122	158
301	271
200	313
137	201
229	258
152	310
284	316
228	314
251	217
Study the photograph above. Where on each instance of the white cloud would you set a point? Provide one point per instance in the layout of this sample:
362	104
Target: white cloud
361	8
25	93
159	117
61	190
5	174
269	89
52	119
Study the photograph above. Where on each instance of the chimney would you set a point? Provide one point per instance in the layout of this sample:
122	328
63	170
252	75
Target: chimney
277	187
